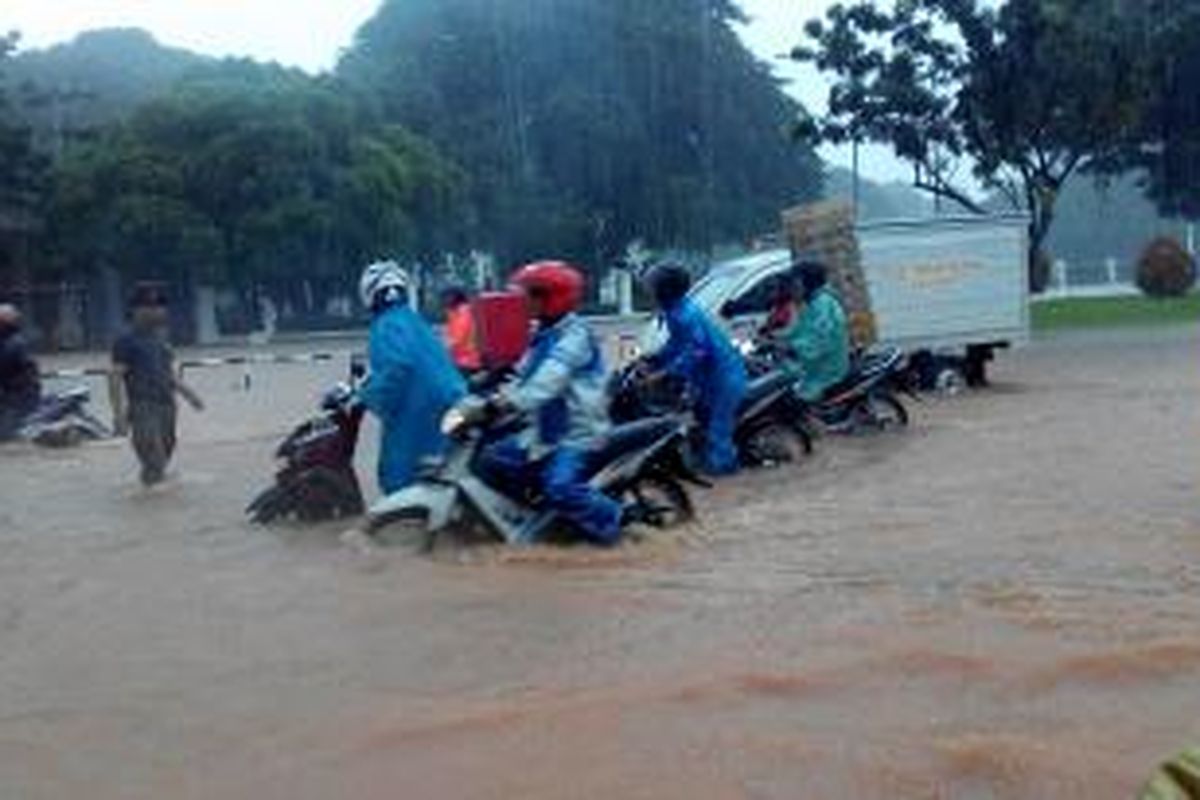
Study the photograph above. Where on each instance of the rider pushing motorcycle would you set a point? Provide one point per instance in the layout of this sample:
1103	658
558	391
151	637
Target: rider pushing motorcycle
412	379
700	353
560	387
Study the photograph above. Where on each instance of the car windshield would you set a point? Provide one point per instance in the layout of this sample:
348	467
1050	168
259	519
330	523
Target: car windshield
715	287
722	280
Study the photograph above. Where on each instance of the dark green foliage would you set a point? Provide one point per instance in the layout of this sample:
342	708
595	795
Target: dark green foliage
1165	144
68	91
585	125
1026	92
243	175
22	176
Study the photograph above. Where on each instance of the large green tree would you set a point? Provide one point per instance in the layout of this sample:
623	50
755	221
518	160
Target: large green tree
585	125
1023	93
248	175
68	91
1165	148
22	175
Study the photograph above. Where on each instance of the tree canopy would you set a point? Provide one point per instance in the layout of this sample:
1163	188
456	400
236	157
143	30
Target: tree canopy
22	172
1165	147
586	125
246	174
1023	94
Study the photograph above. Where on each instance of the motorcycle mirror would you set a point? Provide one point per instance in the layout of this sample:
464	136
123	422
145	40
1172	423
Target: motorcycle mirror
452	421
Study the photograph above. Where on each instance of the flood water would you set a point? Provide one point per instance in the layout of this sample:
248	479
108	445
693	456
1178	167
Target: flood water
1001	602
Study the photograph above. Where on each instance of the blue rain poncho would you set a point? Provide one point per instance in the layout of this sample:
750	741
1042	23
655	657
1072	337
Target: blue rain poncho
412	382
699	352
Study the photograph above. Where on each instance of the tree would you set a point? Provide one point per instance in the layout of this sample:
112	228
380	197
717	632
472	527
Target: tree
22	172
586	125
251	176
1165	148
1026	94
68	91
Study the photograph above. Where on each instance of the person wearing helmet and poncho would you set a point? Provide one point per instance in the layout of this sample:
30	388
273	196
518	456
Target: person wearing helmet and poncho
411	382
560	386
700	353
817	343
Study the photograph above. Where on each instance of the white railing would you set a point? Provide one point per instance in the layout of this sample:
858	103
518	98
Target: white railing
1062	284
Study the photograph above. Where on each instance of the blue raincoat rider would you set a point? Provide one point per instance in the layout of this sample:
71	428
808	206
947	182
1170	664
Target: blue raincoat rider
699	352
561	386
412	381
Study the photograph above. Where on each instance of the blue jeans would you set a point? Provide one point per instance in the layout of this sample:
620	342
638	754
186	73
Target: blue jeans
718	418
562	478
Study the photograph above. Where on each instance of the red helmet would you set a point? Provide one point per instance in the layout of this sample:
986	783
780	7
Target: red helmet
556	283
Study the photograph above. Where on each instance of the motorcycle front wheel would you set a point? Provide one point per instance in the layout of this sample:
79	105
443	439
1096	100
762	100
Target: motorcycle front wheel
269	504
661	501
773	443
884	411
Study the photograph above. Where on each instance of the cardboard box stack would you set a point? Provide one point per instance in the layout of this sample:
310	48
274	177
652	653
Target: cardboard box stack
825	232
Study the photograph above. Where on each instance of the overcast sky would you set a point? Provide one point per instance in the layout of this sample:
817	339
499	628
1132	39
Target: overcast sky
309	34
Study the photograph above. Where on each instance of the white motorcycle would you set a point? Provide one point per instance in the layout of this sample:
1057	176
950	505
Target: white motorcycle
62	419
640	464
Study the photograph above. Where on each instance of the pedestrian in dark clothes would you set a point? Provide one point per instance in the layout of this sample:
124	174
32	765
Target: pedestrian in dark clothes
20	387
143	360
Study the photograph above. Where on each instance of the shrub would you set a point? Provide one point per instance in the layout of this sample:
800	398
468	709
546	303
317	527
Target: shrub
1165	269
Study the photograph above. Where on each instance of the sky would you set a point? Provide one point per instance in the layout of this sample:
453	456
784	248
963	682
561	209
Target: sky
310	33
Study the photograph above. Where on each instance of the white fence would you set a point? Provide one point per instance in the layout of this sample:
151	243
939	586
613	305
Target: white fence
1078	280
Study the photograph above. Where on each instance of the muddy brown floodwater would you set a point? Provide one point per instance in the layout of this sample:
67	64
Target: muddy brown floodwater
999	603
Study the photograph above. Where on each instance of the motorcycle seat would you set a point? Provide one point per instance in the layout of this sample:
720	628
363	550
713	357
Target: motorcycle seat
76	393
622	439
758	388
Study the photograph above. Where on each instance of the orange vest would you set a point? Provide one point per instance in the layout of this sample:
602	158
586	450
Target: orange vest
460	338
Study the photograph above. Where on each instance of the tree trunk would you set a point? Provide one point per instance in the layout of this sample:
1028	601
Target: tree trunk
1041	201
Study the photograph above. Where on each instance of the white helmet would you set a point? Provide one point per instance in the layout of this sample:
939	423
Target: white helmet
383	281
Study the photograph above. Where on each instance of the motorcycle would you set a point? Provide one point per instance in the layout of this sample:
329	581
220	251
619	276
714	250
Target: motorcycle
638	464
866	399
315	480
771	425
62	419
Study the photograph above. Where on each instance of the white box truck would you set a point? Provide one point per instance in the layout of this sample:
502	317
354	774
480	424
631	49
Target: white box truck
949	290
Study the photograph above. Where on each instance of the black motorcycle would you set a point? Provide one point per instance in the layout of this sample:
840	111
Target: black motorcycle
865	400
772	426
315	480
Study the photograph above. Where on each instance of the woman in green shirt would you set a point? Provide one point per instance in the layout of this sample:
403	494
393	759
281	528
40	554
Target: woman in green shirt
817	344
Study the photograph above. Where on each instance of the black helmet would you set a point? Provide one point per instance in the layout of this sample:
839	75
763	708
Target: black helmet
453	296
811	276
669	283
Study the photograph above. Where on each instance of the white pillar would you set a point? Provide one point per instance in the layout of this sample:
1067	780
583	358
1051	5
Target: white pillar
1110	266
1060	275
207	331
625	292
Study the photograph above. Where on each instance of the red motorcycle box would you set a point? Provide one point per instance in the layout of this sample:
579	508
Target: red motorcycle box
501	328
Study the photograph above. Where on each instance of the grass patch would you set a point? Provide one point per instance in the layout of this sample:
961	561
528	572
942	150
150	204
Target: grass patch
1104	312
